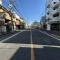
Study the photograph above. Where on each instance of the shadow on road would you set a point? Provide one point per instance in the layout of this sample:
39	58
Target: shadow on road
21	54
47	53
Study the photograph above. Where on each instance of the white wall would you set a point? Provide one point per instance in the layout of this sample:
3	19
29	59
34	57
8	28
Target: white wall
48	1
48	27
51	10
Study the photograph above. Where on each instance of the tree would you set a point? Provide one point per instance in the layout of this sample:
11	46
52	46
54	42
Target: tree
35	24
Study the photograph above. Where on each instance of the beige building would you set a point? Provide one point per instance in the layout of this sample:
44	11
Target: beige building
5	20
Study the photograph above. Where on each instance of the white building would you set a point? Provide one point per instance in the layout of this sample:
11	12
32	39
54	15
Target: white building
0	2
53	14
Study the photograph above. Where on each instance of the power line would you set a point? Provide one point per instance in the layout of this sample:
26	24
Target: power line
18	8
5	3
22	9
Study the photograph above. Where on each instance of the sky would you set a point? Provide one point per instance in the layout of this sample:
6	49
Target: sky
30	10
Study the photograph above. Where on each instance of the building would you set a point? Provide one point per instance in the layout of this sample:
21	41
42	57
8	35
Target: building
53	14
5	20
26	25
17	21
43	22
22	23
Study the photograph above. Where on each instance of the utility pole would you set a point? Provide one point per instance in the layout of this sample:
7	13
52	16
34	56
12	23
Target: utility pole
11	14
39	25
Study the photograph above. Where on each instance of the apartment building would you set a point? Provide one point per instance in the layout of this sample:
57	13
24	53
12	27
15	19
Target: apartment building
53	14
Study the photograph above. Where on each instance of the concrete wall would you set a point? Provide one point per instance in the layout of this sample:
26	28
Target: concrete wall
14	27
3	28
48	2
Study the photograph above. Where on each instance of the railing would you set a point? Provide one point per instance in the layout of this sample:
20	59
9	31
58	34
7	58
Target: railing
55	11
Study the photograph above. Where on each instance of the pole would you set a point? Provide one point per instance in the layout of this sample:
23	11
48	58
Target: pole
11	14
39	25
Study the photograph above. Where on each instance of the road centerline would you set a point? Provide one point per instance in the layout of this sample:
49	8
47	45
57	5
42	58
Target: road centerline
32	50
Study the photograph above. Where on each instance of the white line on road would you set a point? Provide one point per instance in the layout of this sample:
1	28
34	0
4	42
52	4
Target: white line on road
49	35
10	37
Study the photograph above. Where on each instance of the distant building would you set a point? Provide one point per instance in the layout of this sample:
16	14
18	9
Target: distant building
22	23
43	22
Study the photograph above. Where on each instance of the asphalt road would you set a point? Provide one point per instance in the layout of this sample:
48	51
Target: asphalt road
31	45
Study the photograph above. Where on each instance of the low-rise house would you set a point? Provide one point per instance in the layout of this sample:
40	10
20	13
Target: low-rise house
5	20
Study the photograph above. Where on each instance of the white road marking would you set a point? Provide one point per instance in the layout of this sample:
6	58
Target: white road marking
7	50
49	35
10	37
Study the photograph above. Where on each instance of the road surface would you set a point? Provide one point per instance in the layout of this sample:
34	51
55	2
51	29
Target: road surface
30	44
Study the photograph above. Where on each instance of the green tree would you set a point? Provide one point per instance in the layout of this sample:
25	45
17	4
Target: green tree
35	24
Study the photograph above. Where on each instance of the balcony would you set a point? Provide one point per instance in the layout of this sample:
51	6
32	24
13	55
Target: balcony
55	19
56	5
7	16
56	11
49	11
49	17
1	16
48	5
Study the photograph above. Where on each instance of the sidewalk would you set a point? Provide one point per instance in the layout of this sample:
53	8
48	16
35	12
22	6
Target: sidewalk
5	35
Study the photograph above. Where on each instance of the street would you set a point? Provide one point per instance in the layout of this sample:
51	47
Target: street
30	44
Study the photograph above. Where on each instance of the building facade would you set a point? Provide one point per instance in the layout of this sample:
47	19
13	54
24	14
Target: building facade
43	22
53	14
6	22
